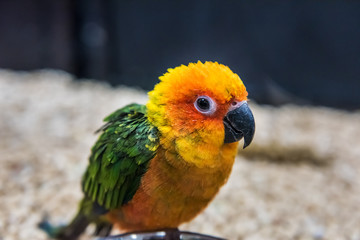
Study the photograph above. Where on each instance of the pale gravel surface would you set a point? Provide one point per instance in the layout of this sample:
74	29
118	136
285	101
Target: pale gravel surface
299	180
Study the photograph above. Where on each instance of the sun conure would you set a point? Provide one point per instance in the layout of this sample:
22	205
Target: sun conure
158	165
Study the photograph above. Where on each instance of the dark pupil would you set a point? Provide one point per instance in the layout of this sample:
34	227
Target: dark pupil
203	104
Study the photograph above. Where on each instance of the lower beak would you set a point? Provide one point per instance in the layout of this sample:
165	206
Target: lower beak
239	123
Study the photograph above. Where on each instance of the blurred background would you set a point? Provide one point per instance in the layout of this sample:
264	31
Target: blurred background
306	52
66	64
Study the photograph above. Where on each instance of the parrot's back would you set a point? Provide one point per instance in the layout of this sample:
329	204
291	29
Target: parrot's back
120	157
117	163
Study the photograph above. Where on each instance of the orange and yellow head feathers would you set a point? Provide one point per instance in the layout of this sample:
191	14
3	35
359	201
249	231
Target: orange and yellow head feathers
172	105
171	102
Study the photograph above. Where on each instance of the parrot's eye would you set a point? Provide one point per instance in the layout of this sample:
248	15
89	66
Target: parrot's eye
205	105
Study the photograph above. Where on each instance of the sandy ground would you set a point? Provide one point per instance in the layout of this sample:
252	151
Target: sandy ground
300	179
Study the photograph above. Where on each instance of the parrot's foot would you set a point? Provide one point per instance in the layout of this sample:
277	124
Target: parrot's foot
172	234
161	234
103	229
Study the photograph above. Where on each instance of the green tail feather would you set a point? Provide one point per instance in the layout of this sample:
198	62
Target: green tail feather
88	213
69	232
50	230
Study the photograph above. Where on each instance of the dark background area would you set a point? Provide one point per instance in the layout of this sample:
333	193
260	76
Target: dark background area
305	52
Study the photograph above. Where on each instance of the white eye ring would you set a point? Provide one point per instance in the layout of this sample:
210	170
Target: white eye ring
205	105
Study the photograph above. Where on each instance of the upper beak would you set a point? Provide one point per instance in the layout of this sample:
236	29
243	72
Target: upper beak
239	123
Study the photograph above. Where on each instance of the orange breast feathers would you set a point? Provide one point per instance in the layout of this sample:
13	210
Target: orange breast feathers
172	194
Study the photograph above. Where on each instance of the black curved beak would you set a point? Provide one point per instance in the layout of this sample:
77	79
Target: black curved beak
239	123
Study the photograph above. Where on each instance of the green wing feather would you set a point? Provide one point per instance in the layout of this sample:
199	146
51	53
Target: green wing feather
120	157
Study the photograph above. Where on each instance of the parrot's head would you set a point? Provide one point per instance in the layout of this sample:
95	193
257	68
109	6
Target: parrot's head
201	106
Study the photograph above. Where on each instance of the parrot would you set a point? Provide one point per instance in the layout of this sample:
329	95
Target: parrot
158	165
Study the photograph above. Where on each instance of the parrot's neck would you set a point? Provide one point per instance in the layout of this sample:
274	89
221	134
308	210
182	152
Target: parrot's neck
189	175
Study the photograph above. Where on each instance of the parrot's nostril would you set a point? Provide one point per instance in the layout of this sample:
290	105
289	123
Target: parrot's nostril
239	123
